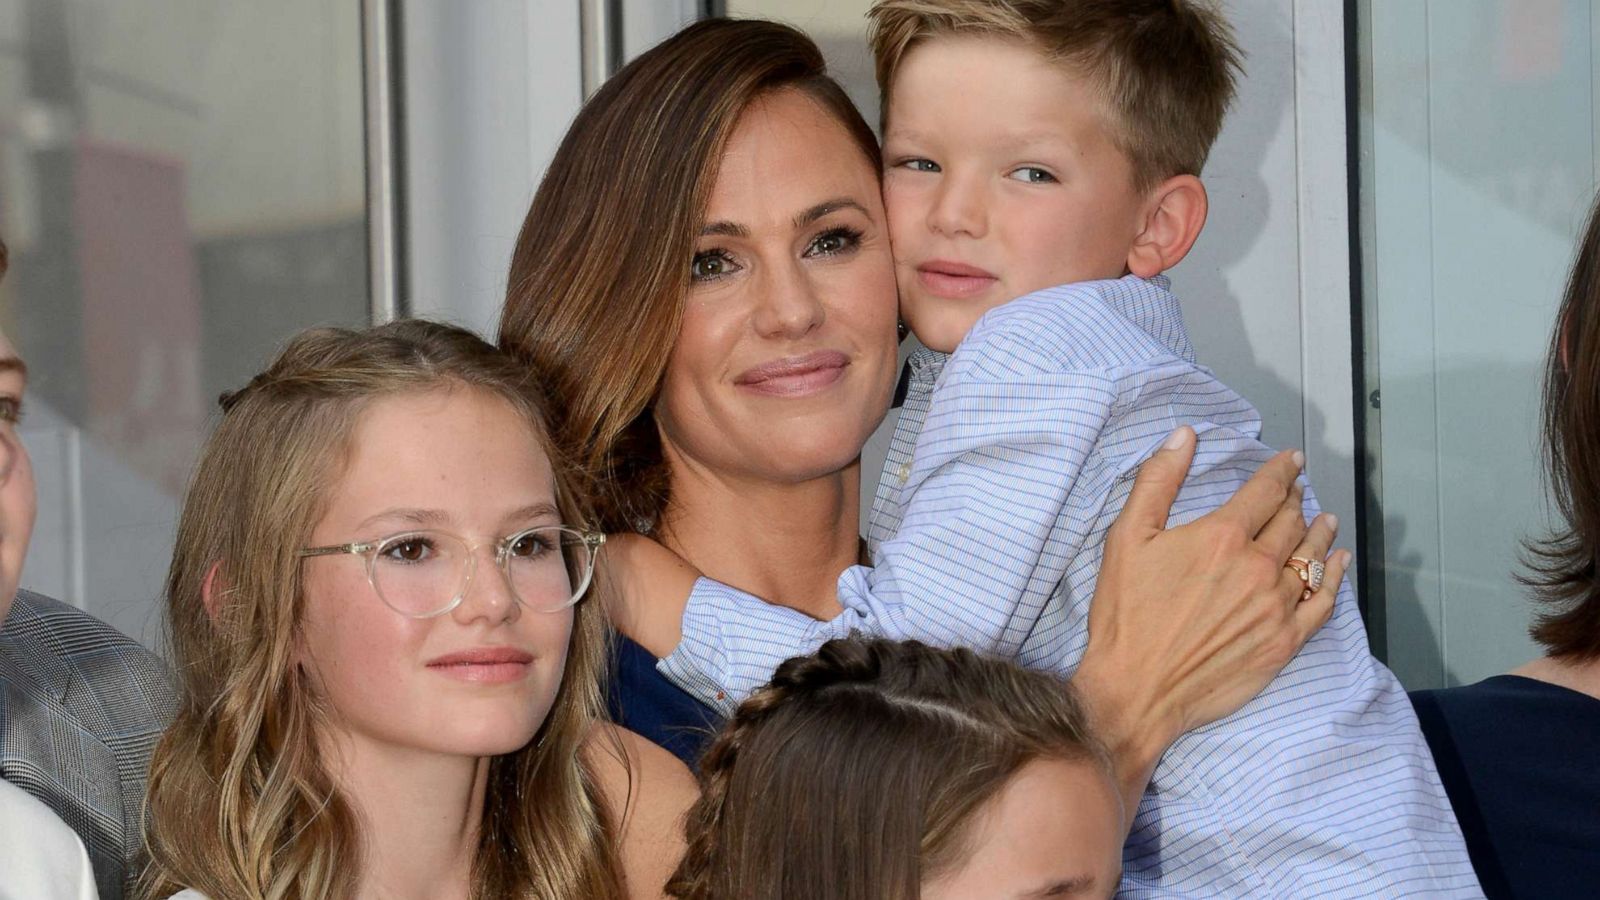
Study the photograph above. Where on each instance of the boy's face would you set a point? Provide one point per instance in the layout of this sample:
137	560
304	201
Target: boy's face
1000	178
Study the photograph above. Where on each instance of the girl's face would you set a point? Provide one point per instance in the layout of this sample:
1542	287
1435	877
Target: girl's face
786	360
479	679
1054	830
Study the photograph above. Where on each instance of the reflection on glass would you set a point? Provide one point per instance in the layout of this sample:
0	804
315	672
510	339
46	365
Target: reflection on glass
1479	157
181	186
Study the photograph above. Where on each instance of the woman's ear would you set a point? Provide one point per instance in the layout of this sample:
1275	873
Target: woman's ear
211	591
1177	212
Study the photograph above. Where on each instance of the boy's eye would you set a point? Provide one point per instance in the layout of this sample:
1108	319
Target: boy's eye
834	241
1032	175
918	164
710	265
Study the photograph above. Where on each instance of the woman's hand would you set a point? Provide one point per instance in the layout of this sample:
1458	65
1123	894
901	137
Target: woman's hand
1188	624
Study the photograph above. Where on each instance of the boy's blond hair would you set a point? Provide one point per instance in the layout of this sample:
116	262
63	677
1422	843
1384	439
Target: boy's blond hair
1165	68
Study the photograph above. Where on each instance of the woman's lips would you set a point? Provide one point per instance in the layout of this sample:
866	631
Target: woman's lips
489	665
954	280
795	376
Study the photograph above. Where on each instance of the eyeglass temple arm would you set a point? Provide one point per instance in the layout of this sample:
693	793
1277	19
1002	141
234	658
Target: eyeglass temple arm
331	551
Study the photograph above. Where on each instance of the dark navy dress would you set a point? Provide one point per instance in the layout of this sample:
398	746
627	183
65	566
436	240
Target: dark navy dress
644	701
1520	760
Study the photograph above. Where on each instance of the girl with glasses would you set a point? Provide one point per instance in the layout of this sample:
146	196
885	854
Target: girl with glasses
390	676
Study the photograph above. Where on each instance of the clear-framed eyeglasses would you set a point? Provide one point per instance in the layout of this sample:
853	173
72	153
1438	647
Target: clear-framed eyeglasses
422	574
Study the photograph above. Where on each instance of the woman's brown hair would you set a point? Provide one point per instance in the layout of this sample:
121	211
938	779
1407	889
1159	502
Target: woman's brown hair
598	279
242	803
867	761
1561	565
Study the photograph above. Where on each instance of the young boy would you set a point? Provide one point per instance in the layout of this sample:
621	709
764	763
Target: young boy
1041	162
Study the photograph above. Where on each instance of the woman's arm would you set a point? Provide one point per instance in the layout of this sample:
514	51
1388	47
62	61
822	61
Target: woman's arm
647	791
1189	623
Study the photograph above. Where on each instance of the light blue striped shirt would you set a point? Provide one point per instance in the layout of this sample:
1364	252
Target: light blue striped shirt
1010	460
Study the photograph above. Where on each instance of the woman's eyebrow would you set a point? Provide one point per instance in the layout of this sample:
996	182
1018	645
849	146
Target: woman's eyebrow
726	229
826	207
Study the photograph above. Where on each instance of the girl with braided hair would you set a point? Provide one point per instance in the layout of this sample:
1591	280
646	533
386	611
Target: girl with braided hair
948	775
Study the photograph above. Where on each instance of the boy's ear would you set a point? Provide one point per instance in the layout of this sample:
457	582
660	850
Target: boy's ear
211	591
1176	214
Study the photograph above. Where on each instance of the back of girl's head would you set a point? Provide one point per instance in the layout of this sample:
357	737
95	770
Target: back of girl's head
242	802
867	761
1562	566
601	268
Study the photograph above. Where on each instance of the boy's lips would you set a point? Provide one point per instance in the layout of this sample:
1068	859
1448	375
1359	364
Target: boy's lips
953	280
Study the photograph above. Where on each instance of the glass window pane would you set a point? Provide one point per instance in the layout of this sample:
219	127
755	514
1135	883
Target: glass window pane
1479	161
181	187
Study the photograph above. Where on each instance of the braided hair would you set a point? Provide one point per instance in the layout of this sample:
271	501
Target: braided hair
855	772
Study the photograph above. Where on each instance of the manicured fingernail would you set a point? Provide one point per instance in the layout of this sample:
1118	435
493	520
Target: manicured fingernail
1299	459
1177	439
1333	521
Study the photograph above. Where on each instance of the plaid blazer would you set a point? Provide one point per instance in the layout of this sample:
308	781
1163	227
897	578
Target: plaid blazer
81	708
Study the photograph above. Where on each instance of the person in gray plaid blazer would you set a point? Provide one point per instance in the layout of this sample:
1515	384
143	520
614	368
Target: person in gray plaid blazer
81	704
81	709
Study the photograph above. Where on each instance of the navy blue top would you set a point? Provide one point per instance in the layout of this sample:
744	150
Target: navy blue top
1520	760
644	701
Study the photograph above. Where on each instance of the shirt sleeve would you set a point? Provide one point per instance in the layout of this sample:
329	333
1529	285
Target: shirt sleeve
973	562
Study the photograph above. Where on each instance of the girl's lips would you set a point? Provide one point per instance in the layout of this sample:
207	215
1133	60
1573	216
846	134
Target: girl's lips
795	376
489	665
953	280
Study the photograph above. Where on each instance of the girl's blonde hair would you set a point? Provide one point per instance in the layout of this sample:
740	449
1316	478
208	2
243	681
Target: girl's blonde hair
241	799
868	762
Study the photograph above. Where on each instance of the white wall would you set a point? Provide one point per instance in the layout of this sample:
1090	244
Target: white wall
490	88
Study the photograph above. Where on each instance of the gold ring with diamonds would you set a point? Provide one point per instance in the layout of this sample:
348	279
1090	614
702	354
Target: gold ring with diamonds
1311	572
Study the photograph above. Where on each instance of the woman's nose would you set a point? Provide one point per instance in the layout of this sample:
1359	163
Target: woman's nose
790	305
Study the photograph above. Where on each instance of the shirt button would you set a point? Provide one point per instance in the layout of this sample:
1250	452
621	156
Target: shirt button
904	473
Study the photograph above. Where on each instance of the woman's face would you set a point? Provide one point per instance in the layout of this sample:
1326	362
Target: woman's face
1054	830
479	679
785	363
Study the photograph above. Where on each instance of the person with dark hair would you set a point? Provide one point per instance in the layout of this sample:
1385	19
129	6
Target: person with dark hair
81	704
704	281
949	775
1517	752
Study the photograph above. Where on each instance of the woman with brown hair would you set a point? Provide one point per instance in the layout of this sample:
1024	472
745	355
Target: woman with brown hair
717	313
389	684
1517	752
950	776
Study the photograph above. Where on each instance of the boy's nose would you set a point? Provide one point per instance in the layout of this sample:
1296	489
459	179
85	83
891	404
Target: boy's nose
959	209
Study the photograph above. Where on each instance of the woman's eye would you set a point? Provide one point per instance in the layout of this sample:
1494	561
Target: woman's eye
1032	175
10	410
409	550
711	264
918	164
834	241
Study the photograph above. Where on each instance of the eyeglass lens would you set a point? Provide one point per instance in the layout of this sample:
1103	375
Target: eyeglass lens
422	573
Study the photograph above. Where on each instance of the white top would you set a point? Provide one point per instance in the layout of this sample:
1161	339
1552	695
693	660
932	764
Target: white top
188	894
41	857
